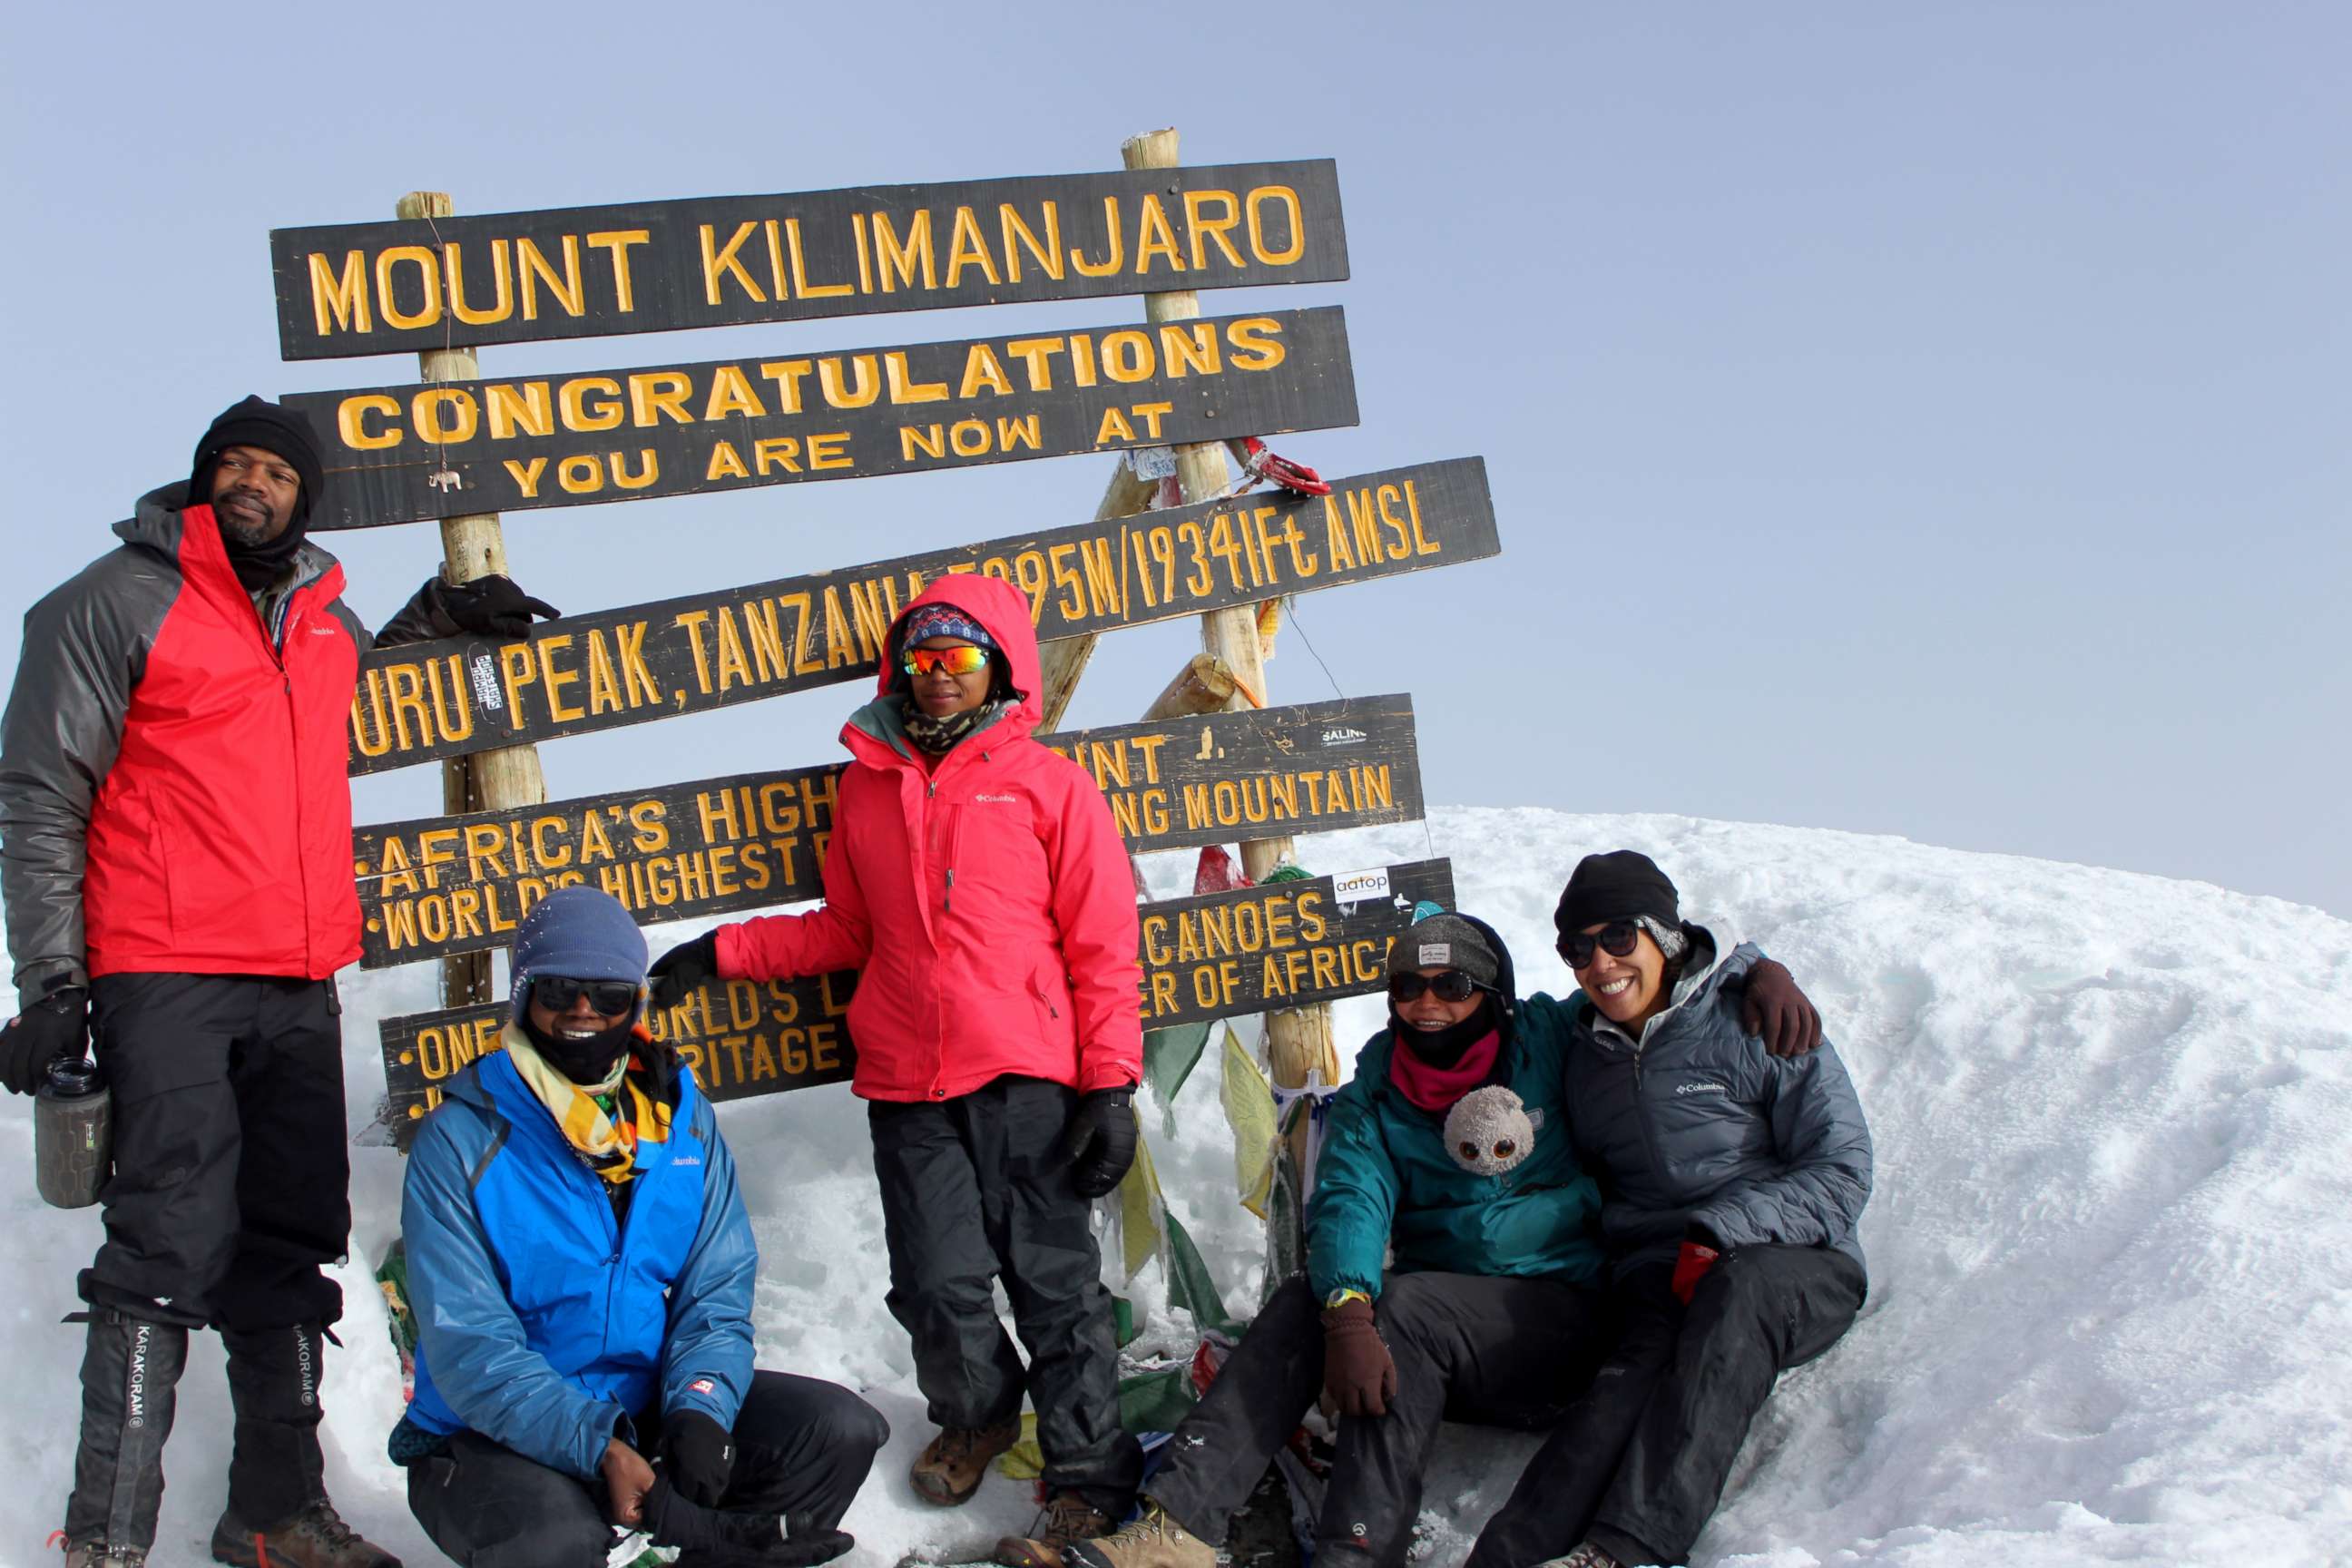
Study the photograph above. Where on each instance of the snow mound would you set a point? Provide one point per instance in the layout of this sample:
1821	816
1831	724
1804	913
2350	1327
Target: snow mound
2108	1322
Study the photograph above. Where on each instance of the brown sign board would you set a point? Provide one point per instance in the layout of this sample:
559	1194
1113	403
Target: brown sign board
1220	955
400	453
426	701
438	885
718	262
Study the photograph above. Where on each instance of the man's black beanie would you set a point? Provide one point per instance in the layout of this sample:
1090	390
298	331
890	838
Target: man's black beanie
273	427
1615	887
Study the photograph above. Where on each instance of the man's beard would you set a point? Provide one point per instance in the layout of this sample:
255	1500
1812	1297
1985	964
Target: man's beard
243	527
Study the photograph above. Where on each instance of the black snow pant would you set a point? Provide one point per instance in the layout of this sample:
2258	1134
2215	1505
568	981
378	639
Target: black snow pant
1467	1347
802	1449
230	1192
976	1187
1639	1463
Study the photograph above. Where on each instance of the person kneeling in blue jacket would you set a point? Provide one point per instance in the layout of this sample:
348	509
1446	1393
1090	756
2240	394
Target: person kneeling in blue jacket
1731	1180
581	1267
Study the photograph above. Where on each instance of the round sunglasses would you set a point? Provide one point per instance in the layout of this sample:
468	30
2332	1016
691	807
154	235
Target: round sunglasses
1452	985
1616	939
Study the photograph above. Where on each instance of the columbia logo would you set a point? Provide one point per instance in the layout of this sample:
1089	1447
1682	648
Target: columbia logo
1701	1087
994	799
687	1160
319	631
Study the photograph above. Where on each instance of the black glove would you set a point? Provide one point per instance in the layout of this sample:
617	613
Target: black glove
683	969
55	1026
1100	1145
1774	1008
745	1540
487	606
697	1455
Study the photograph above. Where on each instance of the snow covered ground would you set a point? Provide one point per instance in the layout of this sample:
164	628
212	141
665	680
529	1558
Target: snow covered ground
2110	1317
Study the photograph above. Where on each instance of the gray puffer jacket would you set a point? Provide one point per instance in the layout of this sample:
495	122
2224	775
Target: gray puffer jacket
1696	1122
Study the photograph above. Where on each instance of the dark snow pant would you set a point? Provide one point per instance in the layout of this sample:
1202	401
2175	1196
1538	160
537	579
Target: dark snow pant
802	1449
230	1192
1506	1353
1638	1465
976	1187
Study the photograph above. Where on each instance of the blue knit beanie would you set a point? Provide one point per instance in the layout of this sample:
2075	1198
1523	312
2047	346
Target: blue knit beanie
578	933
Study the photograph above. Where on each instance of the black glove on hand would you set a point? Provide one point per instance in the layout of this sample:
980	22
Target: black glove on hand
487	607
1774	1008
683	969
697	1455
1100	1145
55	1026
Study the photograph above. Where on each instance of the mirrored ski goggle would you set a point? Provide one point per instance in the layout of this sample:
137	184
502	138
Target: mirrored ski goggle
968	659
1616	939
557	993
1451	986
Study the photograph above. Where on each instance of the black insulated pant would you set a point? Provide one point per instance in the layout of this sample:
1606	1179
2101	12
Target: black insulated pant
230	1194
1638	1464
975	1188
802	1449
1467	1347
232	1179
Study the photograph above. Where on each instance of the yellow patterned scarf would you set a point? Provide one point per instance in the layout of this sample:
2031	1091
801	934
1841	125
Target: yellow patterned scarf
609	1146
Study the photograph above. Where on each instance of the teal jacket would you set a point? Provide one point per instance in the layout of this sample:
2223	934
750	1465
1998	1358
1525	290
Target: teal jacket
1384	1177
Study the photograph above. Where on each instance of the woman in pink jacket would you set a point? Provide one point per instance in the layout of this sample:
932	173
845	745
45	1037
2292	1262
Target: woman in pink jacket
980	883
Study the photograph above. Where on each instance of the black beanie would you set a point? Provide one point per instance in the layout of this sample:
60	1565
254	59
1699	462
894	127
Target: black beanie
1615	887
273	427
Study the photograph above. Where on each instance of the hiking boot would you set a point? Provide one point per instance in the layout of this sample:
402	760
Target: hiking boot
1066	1517
1153	1541
98	1555
950	1468
315	1538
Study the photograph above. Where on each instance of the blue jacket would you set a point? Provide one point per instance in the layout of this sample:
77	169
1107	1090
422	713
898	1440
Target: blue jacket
1385	1176
541	1323
1696	1123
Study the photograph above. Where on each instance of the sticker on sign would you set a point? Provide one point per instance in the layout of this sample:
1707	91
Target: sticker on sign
1358	887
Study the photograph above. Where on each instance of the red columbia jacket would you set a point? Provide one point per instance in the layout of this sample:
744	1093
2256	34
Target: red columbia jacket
988	900
172	787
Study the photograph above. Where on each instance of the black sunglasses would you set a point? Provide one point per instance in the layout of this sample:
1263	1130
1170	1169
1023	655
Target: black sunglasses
1616	939
1451	986
557	993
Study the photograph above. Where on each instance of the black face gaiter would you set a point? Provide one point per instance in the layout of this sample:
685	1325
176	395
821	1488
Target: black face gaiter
258	566
1445	1047
585	1062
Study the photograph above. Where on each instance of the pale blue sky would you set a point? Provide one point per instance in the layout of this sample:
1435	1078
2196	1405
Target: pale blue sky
1908	419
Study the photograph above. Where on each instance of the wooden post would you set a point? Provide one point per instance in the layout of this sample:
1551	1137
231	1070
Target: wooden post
472	546
1202	685
1298	1041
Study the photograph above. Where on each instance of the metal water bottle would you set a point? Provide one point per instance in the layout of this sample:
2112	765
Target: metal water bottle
73	1134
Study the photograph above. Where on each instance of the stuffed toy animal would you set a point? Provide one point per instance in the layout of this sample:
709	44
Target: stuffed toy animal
1489	1131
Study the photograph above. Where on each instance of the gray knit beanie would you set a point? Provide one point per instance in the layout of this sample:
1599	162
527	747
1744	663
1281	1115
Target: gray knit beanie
1445	942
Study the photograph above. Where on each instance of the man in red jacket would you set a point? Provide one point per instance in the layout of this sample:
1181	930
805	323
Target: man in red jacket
175	841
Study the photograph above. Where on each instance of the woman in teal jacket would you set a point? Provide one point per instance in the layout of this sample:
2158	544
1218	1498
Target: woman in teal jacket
582	1269
1449	1145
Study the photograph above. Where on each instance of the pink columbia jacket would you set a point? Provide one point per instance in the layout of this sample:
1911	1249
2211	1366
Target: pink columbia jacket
989	901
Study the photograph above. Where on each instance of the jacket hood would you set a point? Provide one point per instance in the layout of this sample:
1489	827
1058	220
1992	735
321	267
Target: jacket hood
157	524
998	607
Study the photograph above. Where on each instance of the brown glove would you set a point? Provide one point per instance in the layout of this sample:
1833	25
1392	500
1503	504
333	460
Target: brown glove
1773	1008
1358	1371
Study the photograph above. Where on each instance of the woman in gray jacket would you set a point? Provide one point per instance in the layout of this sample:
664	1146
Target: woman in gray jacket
1731	1181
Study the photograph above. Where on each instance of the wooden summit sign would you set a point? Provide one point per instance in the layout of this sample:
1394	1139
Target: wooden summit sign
397	454
425	701
723	846
1220	955
654	267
